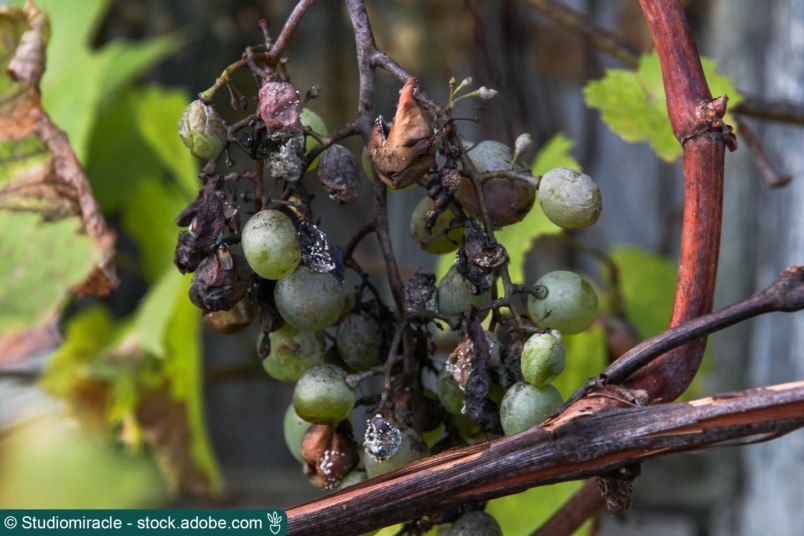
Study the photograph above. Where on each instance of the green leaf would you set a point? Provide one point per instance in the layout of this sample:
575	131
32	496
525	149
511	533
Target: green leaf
523	512
120	159
148	217
79	81
157	112
648	285
555	154
633	103
587	356
45	465
86	335
184	367
136	186
33	285
157	309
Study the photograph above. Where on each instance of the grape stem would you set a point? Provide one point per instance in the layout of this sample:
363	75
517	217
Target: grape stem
276	48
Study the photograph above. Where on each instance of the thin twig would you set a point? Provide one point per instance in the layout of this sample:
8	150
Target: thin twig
278	46
579	24
772	178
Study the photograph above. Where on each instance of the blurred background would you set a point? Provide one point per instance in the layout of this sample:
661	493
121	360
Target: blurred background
121	128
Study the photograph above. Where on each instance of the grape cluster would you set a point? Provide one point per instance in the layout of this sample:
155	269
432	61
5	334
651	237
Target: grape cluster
322	322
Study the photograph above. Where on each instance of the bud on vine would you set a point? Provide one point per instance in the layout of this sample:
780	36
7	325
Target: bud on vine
202	130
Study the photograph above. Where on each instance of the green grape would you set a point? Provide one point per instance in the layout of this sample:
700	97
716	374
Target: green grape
491	155
571	302
355	476
526	405
411	448
292	352
309	300
569	198
543	358
312	120
449	393
322	395
294	428
475	523
454	297
445	242
271	244
358	340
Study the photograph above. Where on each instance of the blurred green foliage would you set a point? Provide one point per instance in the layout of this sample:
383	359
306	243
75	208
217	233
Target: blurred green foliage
110	369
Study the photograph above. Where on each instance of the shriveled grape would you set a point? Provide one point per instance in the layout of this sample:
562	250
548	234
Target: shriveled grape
543	358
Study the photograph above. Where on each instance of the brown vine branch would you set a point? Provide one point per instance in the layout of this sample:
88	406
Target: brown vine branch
583	447
697	124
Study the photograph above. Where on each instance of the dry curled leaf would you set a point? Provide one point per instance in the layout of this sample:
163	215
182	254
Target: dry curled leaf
403	154
60	243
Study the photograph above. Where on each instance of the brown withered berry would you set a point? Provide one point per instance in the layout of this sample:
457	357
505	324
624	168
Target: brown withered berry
403	154
231	320
280	109
338	174
508	200
329	452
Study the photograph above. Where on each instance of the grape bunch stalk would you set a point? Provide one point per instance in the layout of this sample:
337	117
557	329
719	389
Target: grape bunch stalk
258	254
